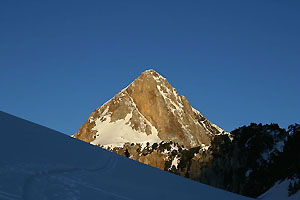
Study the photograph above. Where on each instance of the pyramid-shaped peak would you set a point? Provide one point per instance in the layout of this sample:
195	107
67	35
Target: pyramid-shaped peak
151	110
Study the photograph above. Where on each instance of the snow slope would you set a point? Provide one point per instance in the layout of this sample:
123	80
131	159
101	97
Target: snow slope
40	163
280	192
123	133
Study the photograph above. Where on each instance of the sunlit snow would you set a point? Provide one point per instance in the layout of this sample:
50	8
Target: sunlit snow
116	134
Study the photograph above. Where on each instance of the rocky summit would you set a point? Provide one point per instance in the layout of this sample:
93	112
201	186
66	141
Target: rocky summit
148	111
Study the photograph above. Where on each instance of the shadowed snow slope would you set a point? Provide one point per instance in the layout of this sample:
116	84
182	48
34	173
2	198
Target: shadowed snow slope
280	192
40	163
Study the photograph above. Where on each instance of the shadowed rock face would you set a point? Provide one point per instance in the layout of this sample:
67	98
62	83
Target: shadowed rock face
155	108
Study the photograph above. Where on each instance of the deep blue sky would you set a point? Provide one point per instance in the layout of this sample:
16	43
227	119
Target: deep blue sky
236	61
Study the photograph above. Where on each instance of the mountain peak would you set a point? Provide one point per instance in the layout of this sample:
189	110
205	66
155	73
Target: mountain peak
149	110
152	72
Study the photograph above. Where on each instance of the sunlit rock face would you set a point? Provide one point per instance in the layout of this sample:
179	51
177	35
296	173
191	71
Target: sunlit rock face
148	110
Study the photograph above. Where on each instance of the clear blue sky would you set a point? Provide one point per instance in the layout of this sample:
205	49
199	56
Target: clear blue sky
236	61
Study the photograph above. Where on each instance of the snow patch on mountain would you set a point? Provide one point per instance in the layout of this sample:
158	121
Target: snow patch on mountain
175	162
116	134
277	147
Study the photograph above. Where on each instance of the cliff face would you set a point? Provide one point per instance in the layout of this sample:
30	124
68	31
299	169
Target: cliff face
148	110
